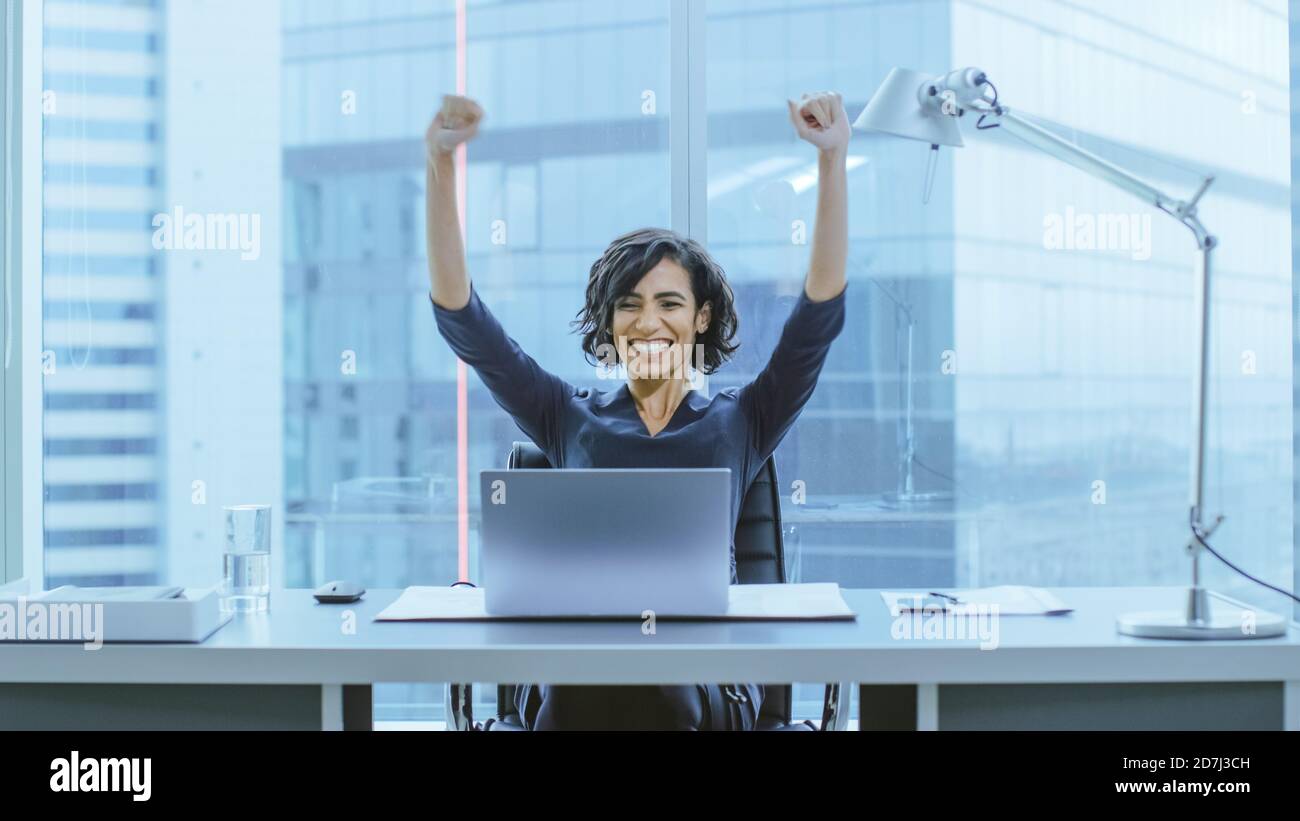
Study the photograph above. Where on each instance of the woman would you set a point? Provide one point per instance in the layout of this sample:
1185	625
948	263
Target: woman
655	302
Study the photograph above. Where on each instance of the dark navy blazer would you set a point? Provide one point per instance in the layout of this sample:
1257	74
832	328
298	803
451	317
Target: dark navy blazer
738	428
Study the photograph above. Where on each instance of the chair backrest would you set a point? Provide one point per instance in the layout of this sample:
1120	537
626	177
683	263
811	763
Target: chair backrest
760	555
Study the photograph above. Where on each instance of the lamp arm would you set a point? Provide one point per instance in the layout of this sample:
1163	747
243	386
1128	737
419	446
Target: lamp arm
951	95
1185	212
1062	149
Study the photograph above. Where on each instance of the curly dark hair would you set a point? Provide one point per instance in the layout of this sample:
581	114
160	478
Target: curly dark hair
630	257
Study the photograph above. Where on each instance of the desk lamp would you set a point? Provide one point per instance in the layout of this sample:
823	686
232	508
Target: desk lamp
927	107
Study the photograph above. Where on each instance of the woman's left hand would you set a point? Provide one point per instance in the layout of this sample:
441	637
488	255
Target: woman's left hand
819	118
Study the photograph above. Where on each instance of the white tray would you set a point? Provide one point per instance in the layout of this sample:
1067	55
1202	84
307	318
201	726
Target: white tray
190	617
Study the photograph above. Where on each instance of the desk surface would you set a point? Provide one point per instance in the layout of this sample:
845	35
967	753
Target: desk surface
302	641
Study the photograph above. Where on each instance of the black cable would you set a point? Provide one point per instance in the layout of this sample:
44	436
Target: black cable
989	83
979	124
1196	533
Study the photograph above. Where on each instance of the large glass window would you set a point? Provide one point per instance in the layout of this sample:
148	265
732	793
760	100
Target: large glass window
843	457
574	151
1073	389
1003	407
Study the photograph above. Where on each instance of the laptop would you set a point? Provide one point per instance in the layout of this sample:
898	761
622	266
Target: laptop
611	542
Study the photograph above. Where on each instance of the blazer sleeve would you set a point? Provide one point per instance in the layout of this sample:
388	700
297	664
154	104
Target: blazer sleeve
528	392
774	399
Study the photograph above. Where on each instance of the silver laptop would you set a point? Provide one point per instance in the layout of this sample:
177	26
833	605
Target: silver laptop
606	542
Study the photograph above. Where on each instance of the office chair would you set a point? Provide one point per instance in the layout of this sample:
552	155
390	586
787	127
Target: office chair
760	559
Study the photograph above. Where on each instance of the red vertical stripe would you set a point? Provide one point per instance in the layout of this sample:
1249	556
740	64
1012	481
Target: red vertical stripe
462	375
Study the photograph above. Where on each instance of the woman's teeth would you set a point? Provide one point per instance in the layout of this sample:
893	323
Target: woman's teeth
650	347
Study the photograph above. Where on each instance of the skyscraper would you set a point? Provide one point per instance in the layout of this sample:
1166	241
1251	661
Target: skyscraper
103	364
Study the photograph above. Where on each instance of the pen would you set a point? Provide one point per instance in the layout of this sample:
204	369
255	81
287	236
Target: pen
952	599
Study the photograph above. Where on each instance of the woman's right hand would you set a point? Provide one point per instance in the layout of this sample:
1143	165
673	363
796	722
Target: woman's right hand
455	123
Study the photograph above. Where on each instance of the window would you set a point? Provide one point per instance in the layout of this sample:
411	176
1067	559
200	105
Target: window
1049	387
103	423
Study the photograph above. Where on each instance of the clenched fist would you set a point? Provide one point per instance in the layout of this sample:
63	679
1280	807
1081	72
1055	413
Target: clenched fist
819	118
455	123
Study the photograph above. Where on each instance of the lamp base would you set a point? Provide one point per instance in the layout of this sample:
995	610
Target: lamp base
1224	619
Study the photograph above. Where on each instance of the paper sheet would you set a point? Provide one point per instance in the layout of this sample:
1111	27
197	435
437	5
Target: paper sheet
747	601
1011	599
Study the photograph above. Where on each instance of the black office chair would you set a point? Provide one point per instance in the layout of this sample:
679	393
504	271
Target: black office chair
760	559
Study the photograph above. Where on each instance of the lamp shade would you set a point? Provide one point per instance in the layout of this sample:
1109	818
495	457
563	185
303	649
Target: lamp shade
896	109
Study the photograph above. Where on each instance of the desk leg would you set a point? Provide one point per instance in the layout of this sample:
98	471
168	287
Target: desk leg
927	706
346	707
331	707
1291	706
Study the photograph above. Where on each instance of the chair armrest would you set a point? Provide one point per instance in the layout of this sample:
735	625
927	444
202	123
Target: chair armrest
835	706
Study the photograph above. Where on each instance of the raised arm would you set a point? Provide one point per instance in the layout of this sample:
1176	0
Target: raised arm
533	396
777	395
455	124
820	119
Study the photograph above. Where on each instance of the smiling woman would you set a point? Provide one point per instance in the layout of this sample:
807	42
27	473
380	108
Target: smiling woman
651	296
661	304
684	279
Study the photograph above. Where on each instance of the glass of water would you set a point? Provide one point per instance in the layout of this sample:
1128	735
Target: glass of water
246	576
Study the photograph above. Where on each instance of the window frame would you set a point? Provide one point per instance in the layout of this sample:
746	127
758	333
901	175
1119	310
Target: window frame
688	120
20	390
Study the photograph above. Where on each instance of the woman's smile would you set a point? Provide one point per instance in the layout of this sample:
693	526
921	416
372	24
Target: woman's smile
640	346
655	358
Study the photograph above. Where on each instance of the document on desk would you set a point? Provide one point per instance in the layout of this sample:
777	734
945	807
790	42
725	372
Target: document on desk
747	602
1010	599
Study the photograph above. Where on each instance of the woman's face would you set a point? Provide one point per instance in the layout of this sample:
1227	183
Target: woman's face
655	326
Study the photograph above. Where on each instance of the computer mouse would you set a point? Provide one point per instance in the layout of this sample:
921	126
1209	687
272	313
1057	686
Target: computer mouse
339	592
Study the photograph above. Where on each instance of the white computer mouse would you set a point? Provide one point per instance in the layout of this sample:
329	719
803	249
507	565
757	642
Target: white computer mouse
338	592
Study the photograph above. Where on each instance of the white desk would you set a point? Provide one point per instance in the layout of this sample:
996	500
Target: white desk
304	648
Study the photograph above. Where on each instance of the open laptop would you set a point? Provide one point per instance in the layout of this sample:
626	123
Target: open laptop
606	542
